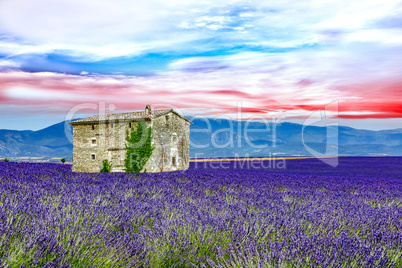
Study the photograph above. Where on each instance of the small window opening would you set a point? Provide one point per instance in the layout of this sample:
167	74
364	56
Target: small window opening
93	127
93	156
93	141
129	125
174	160
167	119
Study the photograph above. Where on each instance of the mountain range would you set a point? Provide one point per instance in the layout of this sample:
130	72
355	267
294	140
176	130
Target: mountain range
228	138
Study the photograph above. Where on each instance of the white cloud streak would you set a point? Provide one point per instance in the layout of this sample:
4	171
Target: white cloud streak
101	29
7	64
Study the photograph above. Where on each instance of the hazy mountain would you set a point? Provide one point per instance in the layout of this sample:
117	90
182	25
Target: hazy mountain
50	142
259	139
225	138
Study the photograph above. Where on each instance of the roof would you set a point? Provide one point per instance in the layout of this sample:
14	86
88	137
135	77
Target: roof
131	116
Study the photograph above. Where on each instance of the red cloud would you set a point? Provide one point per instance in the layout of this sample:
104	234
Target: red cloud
378	99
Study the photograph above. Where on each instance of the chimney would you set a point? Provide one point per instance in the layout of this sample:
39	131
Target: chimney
148	109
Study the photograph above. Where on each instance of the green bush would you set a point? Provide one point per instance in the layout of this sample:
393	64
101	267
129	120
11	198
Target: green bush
63	160
139	147
6	160
106	166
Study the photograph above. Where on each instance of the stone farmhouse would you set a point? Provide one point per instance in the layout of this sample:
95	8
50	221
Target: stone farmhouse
102	137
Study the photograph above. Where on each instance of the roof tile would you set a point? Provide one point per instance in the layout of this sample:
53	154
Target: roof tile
131	116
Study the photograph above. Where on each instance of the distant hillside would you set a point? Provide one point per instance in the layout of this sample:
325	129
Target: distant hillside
216	140
49	142
286	139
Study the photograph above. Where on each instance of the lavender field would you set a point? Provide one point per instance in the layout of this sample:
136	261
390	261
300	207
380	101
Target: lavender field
307	215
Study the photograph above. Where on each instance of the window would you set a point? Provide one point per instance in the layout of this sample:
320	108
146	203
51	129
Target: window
129	125
93	127
173	160
167	119
93	156
93	141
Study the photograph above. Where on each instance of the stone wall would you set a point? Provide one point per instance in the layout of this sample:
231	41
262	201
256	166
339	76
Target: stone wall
106	140
88	142
171	139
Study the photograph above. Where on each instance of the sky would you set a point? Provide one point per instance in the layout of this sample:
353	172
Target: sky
272	60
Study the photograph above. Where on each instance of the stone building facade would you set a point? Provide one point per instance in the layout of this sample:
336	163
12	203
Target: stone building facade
102	137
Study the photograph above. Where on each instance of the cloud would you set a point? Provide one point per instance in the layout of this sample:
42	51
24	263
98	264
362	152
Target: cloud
272	56
8	64
96	30
294	84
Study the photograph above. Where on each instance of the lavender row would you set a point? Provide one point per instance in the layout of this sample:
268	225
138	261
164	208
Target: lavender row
366	167
52	217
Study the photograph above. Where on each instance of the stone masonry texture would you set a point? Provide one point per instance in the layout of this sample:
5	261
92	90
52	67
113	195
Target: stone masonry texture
102	137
